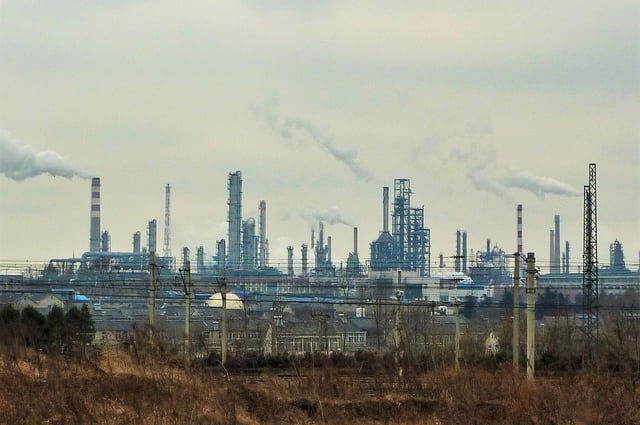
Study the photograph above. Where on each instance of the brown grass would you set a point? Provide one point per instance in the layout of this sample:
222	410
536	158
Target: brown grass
118	388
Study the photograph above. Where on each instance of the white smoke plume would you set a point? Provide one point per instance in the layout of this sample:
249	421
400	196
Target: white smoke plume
297	130
540	185
20	162
479	167
331	215
485	174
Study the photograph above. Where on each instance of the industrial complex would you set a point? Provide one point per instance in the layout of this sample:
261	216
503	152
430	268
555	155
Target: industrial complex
351	304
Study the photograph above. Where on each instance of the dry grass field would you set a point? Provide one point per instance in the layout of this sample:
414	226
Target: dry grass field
116	387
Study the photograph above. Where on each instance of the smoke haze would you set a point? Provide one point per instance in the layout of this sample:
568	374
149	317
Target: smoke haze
540	185
297	130
20	162
331	215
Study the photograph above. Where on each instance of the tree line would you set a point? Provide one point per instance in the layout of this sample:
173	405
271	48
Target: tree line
56	332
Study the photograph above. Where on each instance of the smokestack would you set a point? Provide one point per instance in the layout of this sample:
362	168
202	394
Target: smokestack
94	227
552	253
566	257
290	260
136	243
556	247
328	249
457	262
385	209
262	233
355	241
441	261
519	234
488	246
313	236
305	270
166	251
464	253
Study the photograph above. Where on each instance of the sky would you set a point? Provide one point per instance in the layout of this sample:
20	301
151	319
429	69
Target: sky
483	105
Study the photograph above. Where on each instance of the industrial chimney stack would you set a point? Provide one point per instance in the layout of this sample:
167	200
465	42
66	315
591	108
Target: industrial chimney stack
385	209
556	246
94	232
262	234
519	232
355	241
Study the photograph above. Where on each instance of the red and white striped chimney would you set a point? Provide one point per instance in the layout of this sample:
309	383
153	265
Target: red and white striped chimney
519	236
94	226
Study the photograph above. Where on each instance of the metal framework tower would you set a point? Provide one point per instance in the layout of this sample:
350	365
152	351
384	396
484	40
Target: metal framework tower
590	264
166	252
400	218
418	241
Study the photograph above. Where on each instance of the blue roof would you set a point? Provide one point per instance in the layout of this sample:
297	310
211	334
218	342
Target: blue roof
81	298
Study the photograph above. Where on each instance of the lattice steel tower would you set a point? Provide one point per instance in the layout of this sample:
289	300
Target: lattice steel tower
590	264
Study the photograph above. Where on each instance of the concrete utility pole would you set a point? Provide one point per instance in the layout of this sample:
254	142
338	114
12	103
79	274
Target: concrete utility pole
152	288
531	314
322	318
457	343
223	330
516	313
187	312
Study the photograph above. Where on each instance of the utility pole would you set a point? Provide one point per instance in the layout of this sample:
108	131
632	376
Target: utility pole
223	336
152	288
457	342
322	318
531	314
516	313
187	312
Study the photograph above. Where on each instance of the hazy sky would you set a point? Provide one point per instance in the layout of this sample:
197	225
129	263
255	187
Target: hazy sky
483	105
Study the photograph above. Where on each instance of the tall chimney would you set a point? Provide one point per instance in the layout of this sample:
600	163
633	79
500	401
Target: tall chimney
313	236
556	245
385	209
464	253
519	234
305	271
290	260
328	249
262	234
94	228
552	253
166	248
355	241
441	261
566	257
457	261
